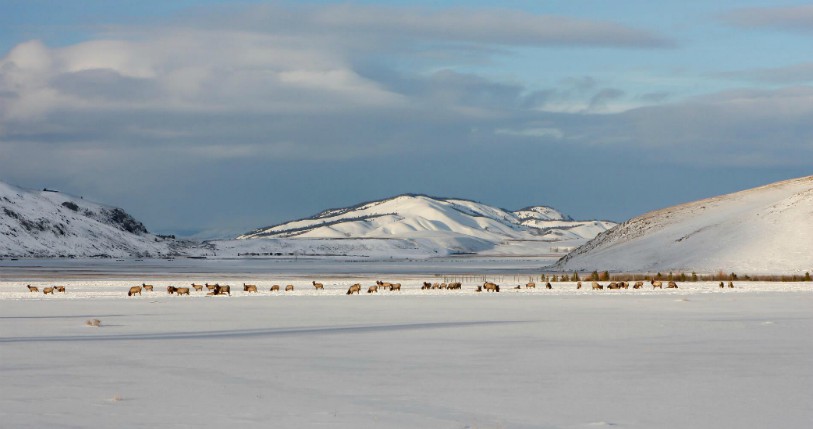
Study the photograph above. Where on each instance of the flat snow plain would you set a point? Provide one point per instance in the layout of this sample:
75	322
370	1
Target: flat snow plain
696	357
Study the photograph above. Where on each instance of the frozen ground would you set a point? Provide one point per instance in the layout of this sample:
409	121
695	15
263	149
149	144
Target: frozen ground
696	357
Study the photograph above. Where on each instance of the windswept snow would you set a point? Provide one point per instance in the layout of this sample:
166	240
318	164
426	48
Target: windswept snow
762	230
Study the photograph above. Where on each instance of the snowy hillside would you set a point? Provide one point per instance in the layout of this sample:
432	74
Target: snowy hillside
48	223
440	225
762	230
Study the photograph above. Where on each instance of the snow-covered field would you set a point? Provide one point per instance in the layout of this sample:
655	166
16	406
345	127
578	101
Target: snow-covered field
695	357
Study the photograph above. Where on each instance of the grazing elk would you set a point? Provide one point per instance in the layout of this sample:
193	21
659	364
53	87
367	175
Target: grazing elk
491	287
721	285
356	288
596	286
171	289
384	285
249	288
47	290
518	287
289	288
372	289
134	290
222	290
33	288
530	285
318	285
426	285
656	284
672	285
578	285
613	285
275	288
197	288
624	285
395	286
60	288
731	285
182	290
454	286
548	285
638	285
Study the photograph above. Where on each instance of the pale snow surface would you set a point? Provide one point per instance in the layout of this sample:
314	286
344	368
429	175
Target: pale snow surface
762	230
698	356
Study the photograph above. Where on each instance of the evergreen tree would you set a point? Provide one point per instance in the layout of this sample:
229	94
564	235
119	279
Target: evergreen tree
575	277
694	276
594	276
807	276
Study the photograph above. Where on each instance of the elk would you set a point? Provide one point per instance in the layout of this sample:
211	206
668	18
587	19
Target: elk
60	288
384	285
722	285
249	288
182	290
578	285
275	288
455	285
672	285
171	289
147	287
222	290
596	285
289	288
32	288
491	287
318	285
395	286
613	285
374	289
47	290
731	285
530	285
638	285
426	285
211	287
548	286
656	284
134	290
197	287
356	288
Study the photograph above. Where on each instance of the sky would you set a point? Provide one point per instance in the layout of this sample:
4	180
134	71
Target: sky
207	118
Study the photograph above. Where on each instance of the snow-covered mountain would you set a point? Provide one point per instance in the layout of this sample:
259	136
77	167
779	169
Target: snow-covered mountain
768	229
49	223
444	225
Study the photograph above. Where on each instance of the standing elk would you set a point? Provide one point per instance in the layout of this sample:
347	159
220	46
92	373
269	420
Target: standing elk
454	285
672	285
356	288
530	285
731	285
249	288
372	289
395	286
275	288
638	285
426	285
578	285
222	290
211	287
596	286
47	290
656	284
171	289
289	288
548	285
134	290
147	287
198	288
60	288
318	286
33	288
182	291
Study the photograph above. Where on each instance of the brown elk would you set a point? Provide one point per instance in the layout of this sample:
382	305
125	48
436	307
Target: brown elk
672	285
731	285
275	288
596	285
222	290
318	285
624	285
613	285
578	285
33	288
171	289
197	287
454	286
211	287
384	285
479	289
721	285
60	288
372	289
289	288
491	287
147	287
426	285
395	286
47	290
530	285
656	284
249	288
356	288
638	285
548	285
182	290
134	290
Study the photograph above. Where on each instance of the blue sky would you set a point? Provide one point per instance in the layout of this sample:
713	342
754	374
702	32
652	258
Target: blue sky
218	115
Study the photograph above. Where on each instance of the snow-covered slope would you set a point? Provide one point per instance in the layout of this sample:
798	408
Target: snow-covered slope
762	230
48	224
445	225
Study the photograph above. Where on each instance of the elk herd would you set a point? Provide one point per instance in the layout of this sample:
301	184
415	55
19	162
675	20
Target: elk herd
379	286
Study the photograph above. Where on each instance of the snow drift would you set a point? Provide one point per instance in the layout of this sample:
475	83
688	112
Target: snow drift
768	229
